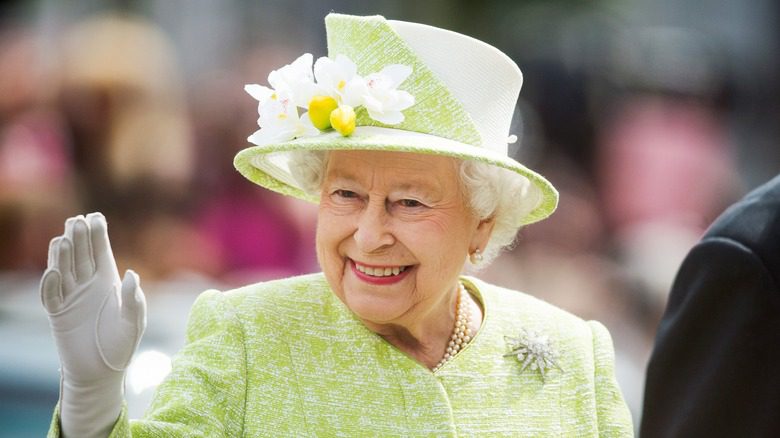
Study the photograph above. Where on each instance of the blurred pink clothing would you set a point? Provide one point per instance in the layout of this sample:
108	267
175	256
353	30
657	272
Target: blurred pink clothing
33	153
253	234
665	160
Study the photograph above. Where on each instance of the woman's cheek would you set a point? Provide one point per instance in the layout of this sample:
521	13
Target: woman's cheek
431	224
331	261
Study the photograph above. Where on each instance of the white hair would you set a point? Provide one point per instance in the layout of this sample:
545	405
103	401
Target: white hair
491	192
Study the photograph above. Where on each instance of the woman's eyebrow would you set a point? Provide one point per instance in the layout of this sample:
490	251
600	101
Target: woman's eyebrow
422	188
410	184
338	177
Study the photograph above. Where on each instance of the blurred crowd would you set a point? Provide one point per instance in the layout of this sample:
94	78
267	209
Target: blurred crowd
108	125
649	119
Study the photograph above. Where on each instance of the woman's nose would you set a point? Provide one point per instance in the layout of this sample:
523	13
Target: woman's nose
373	231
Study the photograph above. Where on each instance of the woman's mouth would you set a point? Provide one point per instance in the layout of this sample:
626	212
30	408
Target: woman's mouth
380	271
379	274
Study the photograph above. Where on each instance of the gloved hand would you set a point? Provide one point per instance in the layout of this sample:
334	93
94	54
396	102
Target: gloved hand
97	322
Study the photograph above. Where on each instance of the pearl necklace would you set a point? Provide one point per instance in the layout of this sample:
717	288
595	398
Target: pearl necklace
461	334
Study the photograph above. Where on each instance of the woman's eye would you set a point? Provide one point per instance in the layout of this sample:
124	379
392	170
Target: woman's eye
411	203
345	194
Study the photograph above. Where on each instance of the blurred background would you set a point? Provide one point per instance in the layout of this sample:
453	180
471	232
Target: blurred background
650	117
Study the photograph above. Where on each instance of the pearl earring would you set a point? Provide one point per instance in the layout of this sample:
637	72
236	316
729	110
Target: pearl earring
476	257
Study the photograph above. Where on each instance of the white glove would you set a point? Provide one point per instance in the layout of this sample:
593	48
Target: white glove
97	322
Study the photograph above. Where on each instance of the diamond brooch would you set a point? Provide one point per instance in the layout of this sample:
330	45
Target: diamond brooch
533	350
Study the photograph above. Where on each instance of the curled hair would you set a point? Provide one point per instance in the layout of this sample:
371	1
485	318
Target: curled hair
498	193
490	191
308	169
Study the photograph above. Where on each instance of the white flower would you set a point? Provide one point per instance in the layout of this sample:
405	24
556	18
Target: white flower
293	86
338	87
278	117
296	79
261	94
383	101
339	79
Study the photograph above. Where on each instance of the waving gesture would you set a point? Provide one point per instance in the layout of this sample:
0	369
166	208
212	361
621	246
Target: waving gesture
97	321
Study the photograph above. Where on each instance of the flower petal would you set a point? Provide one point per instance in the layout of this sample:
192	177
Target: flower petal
298	70
303	64
386	117
372	103
269	111
295	78
309	130
404	100
266	136
354	91
396	73
305	92
326	72
347	68
333	76
259	92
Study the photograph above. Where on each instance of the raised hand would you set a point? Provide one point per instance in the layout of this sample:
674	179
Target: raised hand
97	322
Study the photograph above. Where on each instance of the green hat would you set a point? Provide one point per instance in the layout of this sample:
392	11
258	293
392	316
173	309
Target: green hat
406	87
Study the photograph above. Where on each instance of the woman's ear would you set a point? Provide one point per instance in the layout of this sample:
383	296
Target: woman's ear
482	234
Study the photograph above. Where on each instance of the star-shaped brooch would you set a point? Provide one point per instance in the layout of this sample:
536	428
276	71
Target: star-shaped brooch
533	350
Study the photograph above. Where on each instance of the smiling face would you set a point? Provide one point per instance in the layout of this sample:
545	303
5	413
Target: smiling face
393	232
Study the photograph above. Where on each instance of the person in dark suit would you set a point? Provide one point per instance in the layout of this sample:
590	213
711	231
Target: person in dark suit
715	369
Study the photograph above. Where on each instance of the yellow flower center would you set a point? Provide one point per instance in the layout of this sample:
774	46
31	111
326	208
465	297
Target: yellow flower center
320	108
343	120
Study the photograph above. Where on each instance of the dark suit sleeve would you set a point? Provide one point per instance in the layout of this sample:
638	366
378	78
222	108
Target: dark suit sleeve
715	369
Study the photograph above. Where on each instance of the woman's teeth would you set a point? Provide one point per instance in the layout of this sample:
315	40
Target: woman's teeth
380	272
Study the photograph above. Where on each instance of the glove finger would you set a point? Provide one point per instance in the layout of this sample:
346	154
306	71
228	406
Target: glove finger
133	300
69	226
51	291
54	250
69	222
84	263
65	263
101	247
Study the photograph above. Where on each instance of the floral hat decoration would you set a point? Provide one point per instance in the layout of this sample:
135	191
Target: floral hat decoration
394	86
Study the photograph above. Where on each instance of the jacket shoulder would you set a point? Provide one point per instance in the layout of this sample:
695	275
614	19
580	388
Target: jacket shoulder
753	223
282	301
753	218
509	304
582	349
512	313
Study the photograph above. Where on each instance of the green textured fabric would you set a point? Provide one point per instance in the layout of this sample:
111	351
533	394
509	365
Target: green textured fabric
372	45
287	358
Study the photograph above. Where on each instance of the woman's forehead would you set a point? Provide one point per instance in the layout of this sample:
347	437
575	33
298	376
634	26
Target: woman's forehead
406	162
403	168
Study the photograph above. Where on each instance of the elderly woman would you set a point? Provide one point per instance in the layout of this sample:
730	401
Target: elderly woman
403	144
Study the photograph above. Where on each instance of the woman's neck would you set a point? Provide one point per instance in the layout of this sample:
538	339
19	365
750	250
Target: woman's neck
425	338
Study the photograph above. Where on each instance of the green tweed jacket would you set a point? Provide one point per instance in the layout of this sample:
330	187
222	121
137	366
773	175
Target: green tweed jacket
287	358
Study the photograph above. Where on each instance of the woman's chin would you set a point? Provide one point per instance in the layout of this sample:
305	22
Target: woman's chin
372	309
